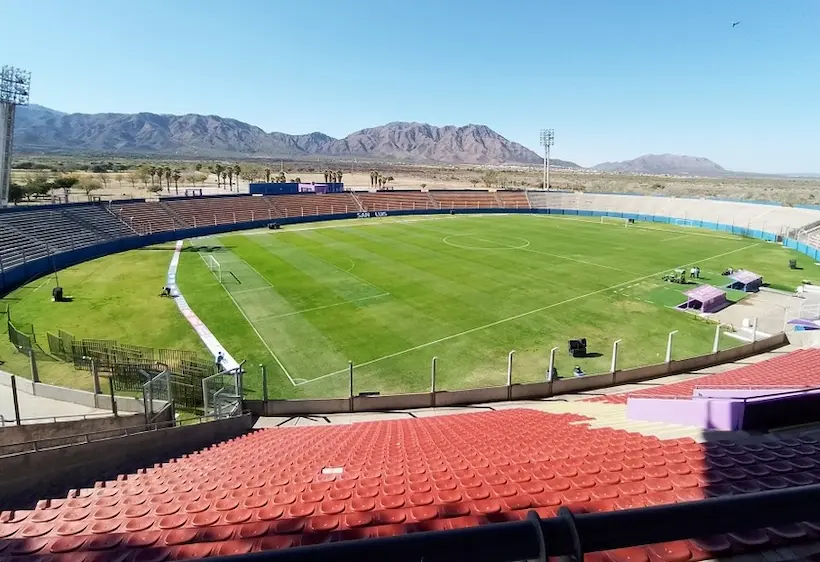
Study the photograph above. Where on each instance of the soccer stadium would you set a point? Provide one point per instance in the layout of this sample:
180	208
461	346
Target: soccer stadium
504	375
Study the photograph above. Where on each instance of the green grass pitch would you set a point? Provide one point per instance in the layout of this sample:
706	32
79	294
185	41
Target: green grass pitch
390	294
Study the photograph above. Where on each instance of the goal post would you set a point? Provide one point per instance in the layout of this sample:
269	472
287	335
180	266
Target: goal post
618	221
214	266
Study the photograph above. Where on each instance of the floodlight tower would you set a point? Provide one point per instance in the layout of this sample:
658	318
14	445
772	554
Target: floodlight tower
14	88
547	140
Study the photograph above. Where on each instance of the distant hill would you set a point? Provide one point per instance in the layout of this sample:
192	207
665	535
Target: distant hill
210	136
671	164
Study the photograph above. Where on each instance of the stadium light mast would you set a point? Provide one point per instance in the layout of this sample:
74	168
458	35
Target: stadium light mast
14	89
547	140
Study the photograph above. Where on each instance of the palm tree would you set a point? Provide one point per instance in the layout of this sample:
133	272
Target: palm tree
379	180
267	175
236	171
176	176
167	171
229	171
218	169
224	178
327	176
388	179
372	178
153	171
339	176
282	178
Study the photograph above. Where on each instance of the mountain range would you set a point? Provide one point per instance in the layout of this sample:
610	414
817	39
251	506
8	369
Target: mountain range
40	129
671	164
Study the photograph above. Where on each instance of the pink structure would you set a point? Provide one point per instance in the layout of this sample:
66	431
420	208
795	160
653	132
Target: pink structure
704	298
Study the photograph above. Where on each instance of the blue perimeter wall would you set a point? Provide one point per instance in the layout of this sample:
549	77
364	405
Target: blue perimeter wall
16	276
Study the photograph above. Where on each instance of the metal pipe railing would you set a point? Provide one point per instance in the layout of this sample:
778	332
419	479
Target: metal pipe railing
567	534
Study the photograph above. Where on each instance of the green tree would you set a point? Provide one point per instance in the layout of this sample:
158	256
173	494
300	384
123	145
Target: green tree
267	175
198	166
88	185
339	176
218	169
236	172
176	176
152	171
66	182
167	172
103	178
327	176
15	193
490	178
374	176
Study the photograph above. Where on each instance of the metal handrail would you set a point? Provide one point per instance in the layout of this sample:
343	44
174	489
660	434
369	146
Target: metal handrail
567	534
82	438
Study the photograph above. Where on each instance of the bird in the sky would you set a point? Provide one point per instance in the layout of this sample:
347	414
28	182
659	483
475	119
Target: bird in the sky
735	24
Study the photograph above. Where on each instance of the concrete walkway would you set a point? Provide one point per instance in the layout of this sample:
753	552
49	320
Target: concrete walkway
38	407
601	414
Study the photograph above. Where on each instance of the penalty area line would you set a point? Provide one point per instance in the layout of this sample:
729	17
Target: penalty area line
520	315
248	320
294	313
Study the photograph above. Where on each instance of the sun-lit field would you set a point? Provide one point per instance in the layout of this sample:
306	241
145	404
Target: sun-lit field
389	294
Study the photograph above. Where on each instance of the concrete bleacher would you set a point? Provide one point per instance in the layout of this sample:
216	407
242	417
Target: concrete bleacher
147	217
770	218
289	487
17	248
212	211
512	199
34	233
464	199
312	204
396	201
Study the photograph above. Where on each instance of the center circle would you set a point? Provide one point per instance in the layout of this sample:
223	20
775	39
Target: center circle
489	242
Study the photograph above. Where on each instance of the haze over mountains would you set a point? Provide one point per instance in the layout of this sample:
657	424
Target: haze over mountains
40	129
208	136
672	164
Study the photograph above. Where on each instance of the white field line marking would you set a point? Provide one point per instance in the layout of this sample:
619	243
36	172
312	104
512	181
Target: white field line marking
571	218
584	262
242	291
271	317
248	320
522	315
673	237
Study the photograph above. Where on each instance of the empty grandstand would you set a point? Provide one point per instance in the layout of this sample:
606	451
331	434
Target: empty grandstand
410	471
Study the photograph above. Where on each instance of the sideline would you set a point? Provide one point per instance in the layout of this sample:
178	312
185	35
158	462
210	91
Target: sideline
199	327
520	315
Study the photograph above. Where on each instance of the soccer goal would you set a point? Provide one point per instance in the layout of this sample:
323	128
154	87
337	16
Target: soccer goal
618	221
214	266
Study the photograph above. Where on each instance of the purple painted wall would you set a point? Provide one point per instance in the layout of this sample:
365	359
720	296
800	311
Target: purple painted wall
723	414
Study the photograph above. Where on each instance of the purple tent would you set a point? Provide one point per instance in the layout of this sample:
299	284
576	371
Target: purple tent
745	281
704	298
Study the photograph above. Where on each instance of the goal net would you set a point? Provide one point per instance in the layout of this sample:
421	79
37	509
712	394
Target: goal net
619	221
214	266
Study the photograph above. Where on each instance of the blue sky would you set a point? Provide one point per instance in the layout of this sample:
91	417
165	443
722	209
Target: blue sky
615	79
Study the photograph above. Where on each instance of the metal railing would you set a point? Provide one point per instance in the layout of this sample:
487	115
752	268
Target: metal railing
568	534
24	447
